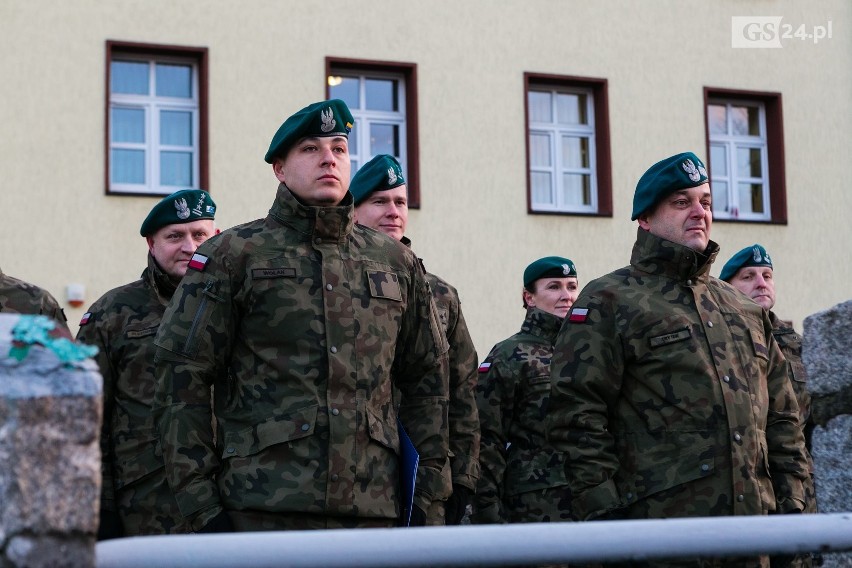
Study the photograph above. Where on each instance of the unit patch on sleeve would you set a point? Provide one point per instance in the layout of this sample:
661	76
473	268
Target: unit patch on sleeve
198	262
578	315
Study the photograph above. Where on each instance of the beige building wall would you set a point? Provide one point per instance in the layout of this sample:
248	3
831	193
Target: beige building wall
267	59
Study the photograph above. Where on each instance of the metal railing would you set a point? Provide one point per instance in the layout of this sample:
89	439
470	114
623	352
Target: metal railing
490	545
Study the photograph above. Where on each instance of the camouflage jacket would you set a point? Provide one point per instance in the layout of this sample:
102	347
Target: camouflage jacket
671	396
463	417
19	297
790	343
306	325
122	323
512	396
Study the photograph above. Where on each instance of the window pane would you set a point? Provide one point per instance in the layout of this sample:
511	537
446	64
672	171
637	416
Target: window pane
576	190
718	161
384	139
540	151
719	191
540	108
571	108
575	152
128	166
746	120
353	143
176	168
542	188
381	94
174	81
748	162
346	90
354	169
717	119
128	125
751	195
129	77
175	128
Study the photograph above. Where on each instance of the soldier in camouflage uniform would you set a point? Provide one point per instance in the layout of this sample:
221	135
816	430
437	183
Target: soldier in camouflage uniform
751	272
309	327
135	498
19	297
668	390
381	203
523	477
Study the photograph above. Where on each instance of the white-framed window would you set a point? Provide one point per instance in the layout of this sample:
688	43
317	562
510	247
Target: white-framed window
562	150
377	102
153	124
739	161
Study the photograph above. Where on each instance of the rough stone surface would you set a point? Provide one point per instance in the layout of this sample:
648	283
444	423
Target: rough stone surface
827	354
50	473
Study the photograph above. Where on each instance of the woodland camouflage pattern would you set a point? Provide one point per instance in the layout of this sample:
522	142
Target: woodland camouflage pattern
790	343
526	481
463	415
123	323
300	320
19	297
672	398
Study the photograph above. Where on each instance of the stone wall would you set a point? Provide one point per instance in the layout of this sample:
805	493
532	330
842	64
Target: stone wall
827	354
50	413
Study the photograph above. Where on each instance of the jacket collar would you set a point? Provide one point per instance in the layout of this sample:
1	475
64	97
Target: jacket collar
659	256
158	280
541	324
327	223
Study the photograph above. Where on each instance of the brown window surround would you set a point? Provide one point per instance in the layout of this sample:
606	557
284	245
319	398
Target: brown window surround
335	65
774	147
199	54
602	150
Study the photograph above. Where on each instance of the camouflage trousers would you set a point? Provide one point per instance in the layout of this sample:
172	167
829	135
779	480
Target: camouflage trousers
549	505
436	514
248	520
148	507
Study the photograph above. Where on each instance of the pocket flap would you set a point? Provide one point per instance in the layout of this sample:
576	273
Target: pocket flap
278	430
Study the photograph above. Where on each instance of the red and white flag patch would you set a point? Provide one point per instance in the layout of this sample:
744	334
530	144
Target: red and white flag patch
198	262
483	368
86	317
578	315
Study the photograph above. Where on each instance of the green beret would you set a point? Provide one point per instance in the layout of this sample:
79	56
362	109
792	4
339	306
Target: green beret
549	267
184	206
755	255
664	178
381	173
325	118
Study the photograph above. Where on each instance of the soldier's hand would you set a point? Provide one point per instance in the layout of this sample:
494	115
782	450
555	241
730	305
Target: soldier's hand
218	524
109	525
418	517
456	505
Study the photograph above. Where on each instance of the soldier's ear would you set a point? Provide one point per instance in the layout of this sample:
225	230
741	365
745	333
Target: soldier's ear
278	169
150	242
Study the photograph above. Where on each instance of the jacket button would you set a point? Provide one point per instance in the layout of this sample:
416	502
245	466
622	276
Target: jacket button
333	349
726	378
328	287
335	411
705	467
231	450
306	427
740	498
335	477
318	240
737	437
709	324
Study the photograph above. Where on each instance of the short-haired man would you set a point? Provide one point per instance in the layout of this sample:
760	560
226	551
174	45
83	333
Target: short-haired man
135	497
751	272
317	335
381	203
20	297
668	390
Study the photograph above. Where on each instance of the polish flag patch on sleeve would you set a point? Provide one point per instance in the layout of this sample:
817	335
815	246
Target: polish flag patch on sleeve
86	317
198	262
578	315
483	368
